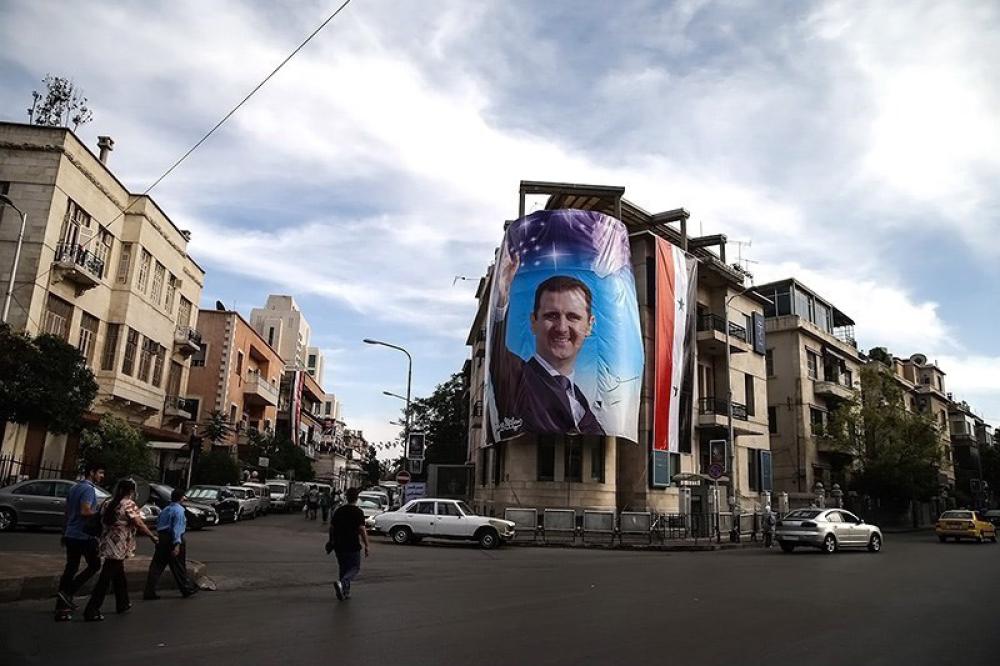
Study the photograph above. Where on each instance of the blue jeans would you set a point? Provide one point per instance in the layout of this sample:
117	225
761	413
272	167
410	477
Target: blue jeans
350	566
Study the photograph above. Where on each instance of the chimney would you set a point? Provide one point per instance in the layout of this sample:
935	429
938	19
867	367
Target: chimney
186	234
106	144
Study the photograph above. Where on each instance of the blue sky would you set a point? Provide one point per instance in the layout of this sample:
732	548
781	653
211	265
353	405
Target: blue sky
854	144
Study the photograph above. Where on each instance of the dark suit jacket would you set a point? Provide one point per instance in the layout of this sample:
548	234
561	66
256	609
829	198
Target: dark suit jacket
526	391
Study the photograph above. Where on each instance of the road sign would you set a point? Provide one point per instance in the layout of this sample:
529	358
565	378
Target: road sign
263	462
715	470
416	445
402	477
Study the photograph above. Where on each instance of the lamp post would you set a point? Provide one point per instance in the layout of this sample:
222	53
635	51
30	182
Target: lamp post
4	199
409	382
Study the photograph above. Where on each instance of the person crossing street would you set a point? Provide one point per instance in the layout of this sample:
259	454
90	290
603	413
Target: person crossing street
170	549
347	533
80	539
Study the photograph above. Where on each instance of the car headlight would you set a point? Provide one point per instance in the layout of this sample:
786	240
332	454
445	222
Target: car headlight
195	510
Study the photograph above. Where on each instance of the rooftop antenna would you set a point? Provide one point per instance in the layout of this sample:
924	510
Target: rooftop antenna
459	277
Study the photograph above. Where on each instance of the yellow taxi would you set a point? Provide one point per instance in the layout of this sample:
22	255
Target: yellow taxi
964	524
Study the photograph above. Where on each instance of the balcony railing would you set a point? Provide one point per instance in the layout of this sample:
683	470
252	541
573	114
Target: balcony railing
714	322
174	405
87	266
187	334
719	407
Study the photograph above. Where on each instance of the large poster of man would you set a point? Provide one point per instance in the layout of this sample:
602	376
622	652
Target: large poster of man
564	348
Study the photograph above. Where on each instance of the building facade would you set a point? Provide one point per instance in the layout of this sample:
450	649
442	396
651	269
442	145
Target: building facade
970	436
300	403
235	373
283	326
928	396
589	471
107	271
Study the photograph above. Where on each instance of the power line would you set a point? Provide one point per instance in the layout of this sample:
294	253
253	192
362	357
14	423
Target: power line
38	280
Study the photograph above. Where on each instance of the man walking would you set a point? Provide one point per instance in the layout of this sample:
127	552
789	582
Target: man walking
324	505
312	503
769	523
347	533
80	538
170	549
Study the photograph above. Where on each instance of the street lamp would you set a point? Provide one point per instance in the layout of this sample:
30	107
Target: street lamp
409	382
4	199
734	534
394	395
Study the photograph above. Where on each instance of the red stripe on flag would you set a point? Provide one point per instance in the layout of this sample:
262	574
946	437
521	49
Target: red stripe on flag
666	287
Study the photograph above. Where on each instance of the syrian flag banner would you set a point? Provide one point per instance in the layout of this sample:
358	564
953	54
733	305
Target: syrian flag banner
676	293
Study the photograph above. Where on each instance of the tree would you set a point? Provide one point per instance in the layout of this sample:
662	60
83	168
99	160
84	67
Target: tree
284	456
880	354
120	447
43	380
61	104
443	415
896	452
218	468
216	428
374	469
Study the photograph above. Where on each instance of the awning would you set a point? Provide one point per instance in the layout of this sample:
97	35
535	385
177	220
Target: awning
167	446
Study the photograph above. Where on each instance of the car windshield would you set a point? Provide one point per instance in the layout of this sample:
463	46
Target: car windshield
966	515
466	509
803	514
366	503
276	488
202	493
239	492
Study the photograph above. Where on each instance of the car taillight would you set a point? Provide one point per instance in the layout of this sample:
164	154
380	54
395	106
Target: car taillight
809	523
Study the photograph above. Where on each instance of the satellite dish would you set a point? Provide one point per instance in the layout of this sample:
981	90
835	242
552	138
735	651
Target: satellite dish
219	305
919	359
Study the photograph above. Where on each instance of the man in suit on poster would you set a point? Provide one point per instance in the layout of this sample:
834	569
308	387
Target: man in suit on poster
540	395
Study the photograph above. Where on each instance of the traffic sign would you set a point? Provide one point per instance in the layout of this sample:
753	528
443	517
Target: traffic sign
715	470
402	477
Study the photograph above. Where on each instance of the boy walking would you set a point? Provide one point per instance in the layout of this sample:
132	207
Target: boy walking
170	549
347	533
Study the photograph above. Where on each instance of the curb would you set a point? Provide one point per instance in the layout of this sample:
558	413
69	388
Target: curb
44	587
654	547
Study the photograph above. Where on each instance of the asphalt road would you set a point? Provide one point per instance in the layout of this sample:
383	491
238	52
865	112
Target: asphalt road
918	602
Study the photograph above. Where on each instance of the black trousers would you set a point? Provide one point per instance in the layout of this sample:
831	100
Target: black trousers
164	557
112	574
71	582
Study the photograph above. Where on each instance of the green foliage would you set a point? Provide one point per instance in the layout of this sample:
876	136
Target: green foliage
217	467
897	452
61	104
216	428
880	354
990	456
120	447
284	457
444	417
43	380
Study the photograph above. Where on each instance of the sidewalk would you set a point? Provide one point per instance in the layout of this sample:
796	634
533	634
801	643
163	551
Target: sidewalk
669	546
36	575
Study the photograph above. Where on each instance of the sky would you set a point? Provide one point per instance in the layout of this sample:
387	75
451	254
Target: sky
852	145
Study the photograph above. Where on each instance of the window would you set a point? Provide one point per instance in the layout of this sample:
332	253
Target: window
124	263
748	325
143	278
270	336
58	315
597	460
803	304
88	336
312	360
232	413
198	358
573	452
816	420
102	248
131	347
157	289
146	358
193	404
158	359
168	300
447	509
769	362
753	469
748	393
546	458
239	363
426	508
110	347
772	420
823	317
848	378
76	230
184	312
781	301
812	364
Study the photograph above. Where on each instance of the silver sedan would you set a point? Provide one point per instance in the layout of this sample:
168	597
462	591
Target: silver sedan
826	529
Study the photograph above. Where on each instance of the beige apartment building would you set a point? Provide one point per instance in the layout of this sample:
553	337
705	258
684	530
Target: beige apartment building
597	472
236	373
813	367
281	323
107	271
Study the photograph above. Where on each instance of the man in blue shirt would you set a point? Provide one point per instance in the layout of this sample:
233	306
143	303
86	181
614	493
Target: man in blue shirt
80	538
170	549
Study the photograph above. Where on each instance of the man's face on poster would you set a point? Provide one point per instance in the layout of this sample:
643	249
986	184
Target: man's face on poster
561	324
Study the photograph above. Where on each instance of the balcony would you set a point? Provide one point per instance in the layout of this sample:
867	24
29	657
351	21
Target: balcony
833	391
176	407
77	265
186	340
716	407
712	414
712	335
258	391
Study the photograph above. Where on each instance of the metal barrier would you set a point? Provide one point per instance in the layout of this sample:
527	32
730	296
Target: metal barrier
558	523
13	470
525	522
635	523
599	523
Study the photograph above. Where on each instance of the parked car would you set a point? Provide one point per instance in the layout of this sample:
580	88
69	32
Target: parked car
263	496
826	529
150	514
217	497
37	503
964	524
279	494
196	514
442	519
381	499
296	497
993	515
249	502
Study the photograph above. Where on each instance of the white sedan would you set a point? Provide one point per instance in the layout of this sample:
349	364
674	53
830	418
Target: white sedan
442	519
249	502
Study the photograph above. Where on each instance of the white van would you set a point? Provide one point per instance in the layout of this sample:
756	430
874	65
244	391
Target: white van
278	488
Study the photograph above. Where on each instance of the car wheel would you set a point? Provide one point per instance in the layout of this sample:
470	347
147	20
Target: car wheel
8	520
980	538
400	535
787	547
488	538
942	539
830	544
875	544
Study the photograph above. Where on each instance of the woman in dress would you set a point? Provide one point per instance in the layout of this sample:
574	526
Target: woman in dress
121	518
